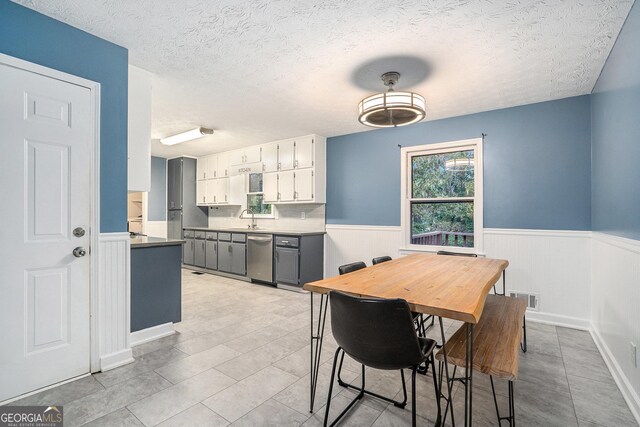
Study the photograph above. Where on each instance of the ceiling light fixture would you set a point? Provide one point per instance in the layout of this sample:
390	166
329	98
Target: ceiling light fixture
391	108
186	136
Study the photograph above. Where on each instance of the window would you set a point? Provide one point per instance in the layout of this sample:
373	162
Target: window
255	198
442	196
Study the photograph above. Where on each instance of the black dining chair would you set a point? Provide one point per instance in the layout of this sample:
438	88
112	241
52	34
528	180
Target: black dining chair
354	266
379	333
417	317
381	259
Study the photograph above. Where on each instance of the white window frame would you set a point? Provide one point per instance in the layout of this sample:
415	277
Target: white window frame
406	153
245	202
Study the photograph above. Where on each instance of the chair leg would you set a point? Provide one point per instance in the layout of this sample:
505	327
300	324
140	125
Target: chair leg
524	334
414	370
350	405
333	373
342	383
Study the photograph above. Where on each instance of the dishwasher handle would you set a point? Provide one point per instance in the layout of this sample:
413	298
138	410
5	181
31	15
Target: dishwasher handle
259	238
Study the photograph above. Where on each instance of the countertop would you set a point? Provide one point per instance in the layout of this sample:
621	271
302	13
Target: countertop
147	242
258	231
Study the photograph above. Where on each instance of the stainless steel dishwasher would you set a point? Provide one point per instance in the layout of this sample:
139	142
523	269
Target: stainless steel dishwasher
260	257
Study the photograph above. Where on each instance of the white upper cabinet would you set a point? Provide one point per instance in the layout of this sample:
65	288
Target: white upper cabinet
245	155
294	172
222	167
139	130
270	157
304	152
201	168
201	192
212	166
286	158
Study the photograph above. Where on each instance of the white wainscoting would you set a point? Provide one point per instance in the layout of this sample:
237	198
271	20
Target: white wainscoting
615	309
553	264
150	334
114	300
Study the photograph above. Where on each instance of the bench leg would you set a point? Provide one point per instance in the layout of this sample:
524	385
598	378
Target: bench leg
511	419
523	345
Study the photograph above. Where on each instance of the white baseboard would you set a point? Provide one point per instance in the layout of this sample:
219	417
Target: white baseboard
558	320
629	394
150	334
117	359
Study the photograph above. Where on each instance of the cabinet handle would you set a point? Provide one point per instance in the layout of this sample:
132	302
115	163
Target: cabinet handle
225	197
278	195
225	172
295	164
215	173
279	165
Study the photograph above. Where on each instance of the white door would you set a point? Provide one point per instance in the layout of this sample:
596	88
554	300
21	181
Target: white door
236	158
285	155
304	152
270	187
270	158
222	168
212	166
304	184
46	134
286	186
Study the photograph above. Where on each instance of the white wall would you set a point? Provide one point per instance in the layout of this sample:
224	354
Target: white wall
615	309
288	217
554	264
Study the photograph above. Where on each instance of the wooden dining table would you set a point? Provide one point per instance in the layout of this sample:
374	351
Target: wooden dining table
450	287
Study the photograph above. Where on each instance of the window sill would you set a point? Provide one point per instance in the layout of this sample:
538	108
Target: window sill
435	249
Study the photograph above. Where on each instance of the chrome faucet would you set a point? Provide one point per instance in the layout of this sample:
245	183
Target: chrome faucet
253	225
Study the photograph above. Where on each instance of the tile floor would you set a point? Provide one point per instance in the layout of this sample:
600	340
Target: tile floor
241	357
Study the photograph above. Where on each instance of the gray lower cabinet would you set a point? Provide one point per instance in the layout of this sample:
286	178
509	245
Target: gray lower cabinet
211	259
188	256
224	256
287	263
199	253
239	259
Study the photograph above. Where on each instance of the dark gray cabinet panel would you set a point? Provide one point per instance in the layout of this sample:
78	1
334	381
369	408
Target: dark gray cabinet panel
188	256
239	259
199	257
224	257
287	263
174	184
174	225
211	261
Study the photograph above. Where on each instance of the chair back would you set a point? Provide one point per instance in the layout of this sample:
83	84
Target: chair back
457	254
380	259
379	333
354	266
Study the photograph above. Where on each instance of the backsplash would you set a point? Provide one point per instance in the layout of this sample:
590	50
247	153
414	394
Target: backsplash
288	217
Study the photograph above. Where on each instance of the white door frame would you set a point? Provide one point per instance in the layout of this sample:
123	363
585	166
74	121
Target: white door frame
94	149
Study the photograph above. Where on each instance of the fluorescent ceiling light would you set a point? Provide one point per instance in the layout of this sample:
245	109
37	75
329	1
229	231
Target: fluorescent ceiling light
186	136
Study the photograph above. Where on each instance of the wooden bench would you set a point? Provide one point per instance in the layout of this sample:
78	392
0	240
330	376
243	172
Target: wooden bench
496	343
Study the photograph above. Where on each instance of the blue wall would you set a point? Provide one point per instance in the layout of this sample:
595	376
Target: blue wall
537	167
34	37
615	127
157	197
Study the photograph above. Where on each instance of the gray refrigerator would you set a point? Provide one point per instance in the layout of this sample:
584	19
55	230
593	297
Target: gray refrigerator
181	198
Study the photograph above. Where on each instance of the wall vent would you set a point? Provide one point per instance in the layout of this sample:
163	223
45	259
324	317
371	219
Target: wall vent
532	300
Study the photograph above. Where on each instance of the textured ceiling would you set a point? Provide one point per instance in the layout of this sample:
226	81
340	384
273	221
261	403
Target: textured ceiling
262	70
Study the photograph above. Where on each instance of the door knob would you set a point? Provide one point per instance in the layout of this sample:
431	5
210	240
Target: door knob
79	252
78	232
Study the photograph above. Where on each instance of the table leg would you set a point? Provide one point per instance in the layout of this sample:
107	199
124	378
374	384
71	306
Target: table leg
449	381
468	382
316	345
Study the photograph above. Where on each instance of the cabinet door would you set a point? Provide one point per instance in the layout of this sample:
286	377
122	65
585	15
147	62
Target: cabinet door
201	192
286	186
212	166
286	155
210	191
188	256
287	262
211	255
236	157
270	158
199	253
304	152
252	154
222	168
239	259
202	168
304	185
224	256
222	190
270	187
174	184
236	193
